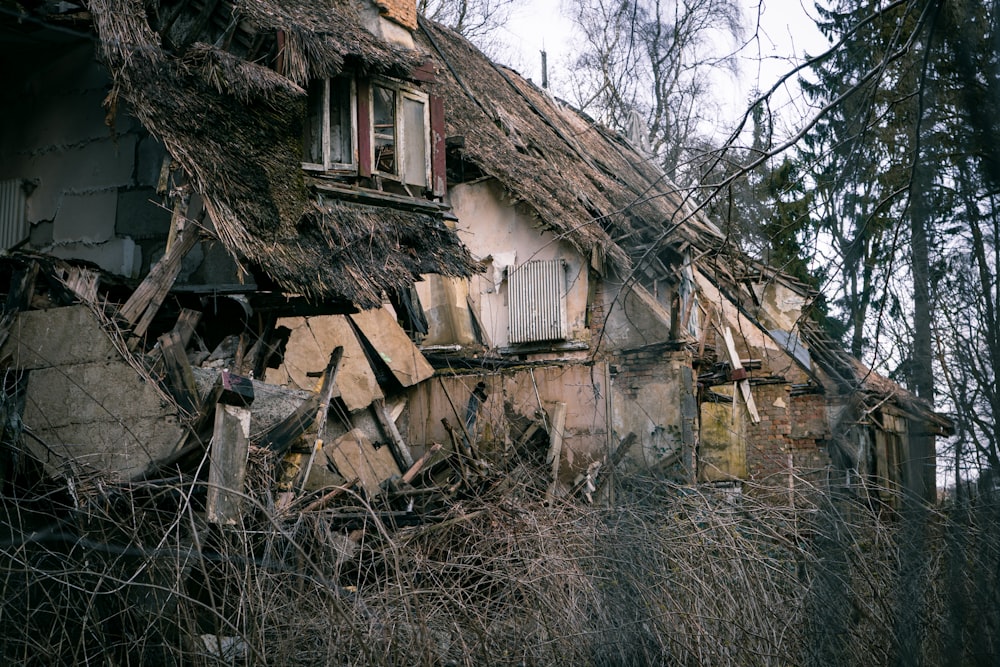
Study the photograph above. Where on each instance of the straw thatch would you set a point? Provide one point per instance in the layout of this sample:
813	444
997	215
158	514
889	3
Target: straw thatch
235	128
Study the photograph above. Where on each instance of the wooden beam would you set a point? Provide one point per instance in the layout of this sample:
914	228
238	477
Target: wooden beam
227	471
326	395
415	469
144	303
179	376
554	455
743	383
400	450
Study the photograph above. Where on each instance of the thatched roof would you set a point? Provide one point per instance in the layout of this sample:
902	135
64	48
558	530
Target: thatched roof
235	127
592	187
584	182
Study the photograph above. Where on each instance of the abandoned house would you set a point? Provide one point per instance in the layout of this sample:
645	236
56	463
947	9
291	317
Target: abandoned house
338	231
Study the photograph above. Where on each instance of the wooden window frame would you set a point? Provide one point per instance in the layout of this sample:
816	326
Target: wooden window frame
402	92
328	165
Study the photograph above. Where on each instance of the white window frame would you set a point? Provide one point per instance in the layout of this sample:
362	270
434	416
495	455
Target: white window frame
403	92
327	165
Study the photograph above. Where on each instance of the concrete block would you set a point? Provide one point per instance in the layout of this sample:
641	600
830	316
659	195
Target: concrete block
121	256
103	391
139	216
72	118
117	449
86	217
57	337
97	165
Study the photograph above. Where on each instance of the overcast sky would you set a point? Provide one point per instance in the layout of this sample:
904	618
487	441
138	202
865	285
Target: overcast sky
778	32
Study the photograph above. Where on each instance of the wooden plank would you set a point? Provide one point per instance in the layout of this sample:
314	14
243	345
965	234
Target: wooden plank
393	345
179	376
415	469
354	455
744	384
322	502
281	436
326	395
400	449
142	306
554	456
187	322
229	450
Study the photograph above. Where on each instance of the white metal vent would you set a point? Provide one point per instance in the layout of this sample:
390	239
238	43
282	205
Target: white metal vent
537	301
13	221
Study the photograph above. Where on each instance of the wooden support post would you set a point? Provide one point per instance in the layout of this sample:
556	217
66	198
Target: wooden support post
180	378
326	395
554	456
228	464
400	450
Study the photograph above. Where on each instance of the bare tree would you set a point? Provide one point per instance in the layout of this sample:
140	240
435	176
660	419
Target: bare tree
650	64
477	20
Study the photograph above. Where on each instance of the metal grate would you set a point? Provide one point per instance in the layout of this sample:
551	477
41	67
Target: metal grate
537	299
13	221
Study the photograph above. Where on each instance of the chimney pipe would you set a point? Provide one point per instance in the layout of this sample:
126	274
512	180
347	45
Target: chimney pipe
545	70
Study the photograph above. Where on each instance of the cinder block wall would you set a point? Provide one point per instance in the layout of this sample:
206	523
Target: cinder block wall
90	178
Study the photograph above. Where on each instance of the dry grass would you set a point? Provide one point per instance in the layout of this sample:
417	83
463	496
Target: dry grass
665	575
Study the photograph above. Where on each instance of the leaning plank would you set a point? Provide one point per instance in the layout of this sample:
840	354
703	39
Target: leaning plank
187	321
228	464
139	310
326	393
180	379
281	436
415	469
398	446
741	379
554	457
393	345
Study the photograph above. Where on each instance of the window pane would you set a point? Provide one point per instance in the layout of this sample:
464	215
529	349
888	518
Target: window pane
312	131
340	121
415	136
384	130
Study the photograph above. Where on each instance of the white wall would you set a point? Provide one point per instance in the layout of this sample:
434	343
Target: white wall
501	233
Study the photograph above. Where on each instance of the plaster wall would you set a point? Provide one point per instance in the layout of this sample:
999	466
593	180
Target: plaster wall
504	234
515	398
635	318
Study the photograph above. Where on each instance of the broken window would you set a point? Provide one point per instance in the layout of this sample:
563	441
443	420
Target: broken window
329	138
400	136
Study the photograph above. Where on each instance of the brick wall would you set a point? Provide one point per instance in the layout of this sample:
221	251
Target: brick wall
403	12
